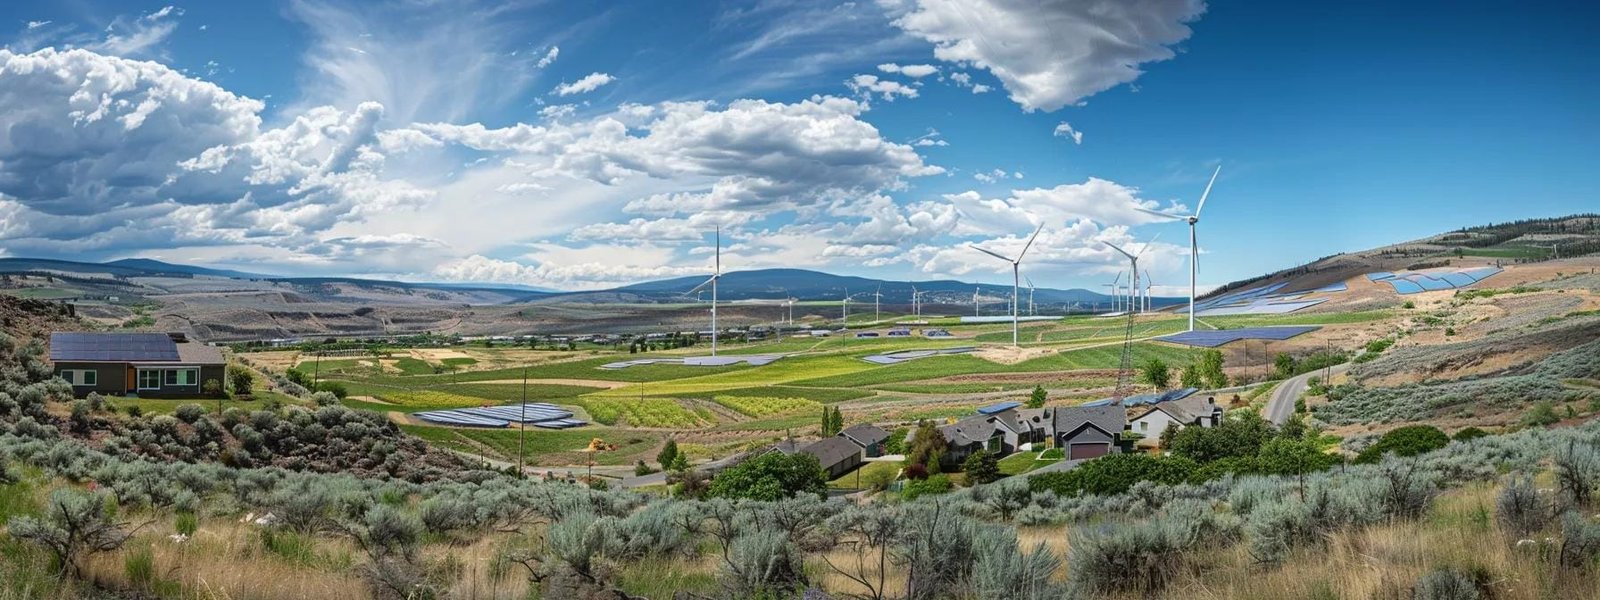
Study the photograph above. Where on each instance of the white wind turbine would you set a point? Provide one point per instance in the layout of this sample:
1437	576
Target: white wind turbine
1133	259
916	302
1116	292
1148	282
1030	294
877	298
1194	245
1016	283
715	275
975	302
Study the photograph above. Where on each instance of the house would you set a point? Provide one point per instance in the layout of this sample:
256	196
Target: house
868	437
837	455
1088	431
1193	411
149	365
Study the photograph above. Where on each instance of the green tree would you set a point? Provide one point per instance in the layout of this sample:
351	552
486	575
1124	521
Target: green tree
1283	365
838	421
1115	474
1190	377
1284	456
241	379
1156	373
668	454
1237	436
771	476
927	445
1038	397
1211	363
981	467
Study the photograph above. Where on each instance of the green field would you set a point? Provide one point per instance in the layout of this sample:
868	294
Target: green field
542	446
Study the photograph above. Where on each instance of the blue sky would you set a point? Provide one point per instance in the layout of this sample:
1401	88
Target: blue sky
583	145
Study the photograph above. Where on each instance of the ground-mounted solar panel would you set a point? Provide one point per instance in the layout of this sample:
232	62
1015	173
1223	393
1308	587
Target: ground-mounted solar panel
1335	287
1458	279
1381	276
1212	339
1481	273
1404	287
1431	284
560	424
460	419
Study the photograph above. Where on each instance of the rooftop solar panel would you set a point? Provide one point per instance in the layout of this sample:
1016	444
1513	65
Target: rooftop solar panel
112	347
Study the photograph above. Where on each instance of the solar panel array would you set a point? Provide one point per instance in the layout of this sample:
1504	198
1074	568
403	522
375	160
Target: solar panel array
894	358
1212	339
1405	283
539	414
1006	319
1265	300
1167	396
998	408
112	347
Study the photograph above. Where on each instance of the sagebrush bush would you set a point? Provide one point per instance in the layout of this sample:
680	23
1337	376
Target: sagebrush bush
1445	584
1133	557
1519	508
1003	569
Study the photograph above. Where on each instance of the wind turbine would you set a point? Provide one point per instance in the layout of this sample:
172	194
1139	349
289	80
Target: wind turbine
975	302
916	302
1116	292
1133	259
1030	294
715	275
1016	284
1148	281
877	298
1194	245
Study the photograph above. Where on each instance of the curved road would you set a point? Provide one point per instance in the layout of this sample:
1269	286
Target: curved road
1281	405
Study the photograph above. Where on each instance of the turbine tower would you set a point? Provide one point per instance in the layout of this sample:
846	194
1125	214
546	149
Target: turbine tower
1194	244
975	301
1148	281
1126	368
916	302
1115	291
715	275
1016	283
877	297
1030	294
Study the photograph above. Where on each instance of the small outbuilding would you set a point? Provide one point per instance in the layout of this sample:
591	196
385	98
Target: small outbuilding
869	438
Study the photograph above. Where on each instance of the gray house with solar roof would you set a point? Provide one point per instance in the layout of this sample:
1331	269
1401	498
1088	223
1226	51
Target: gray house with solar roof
149	365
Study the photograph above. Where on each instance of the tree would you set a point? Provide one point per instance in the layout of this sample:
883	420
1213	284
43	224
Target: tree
1038	397
771	476
1211	363
74	525
1114	474
1237	436
927	445
1283	365
1283	456
668	454
241	379
1190	377
830	426
1156	373
981	467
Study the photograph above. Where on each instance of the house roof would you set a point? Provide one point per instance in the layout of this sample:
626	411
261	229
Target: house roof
1187	410
865	434
831	451
1110	419
112	347
973	429
199	354
788	446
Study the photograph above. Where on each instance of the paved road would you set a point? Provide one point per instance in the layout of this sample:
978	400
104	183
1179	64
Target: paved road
1281	405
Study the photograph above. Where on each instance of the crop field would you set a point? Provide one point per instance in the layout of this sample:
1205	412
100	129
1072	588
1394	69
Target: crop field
652	413
814	394
767	406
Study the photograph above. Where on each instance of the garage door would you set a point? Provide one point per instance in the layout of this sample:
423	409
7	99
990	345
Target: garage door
1081	451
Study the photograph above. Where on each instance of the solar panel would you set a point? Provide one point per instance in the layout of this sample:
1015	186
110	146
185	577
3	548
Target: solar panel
1404	287
1212	339
998	408
1384	276
1458	279
112	347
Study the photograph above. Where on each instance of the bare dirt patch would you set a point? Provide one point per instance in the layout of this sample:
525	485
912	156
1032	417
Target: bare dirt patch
1008	355
437	354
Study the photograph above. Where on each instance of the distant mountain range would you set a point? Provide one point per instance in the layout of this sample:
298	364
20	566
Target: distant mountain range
737	286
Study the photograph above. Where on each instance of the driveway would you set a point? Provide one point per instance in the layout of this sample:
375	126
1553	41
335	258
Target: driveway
1281	405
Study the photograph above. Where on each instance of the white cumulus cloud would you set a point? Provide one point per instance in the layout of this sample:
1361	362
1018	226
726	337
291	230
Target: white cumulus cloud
589	83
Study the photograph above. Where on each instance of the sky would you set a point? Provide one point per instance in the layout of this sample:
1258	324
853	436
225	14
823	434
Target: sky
579	145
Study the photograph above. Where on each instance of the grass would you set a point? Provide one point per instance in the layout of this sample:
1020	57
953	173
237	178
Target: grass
848	480
814	394
1022	462
546	447
413	366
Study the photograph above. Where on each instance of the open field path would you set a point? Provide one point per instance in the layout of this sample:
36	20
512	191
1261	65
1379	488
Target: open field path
594	383
1281	405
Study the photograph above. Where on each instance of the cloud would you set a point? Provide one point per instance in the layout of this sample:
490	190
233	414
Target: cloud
589	83
549	57
459	63
867	85
140	36
1064	129
1052	54
38	24
929	139
912	71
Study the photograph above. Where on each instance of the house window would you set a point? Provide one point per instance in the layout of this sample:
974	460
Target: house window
81	377
1144	426
149	379
180	376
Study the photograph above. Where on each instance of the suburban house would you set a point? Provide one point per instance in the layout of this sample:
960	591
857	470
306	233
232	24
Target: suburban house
1193	411
837	455
1085	432
150	365
1089	431
869	438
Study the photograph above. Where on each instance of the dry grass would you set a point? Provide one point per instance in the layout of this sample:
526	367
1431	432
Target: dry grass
225	559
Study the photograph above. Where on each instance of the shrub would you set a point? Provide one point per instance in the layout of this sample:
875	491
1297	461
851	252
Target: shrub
135	412
1580	540
1405	441
1115	474
1445	584
186	523
764	564
211	387
931	485
1468	434
140	567
1004	570
981	467
1519	508
1577	470
189	413
325	399
75	524
1238	435
668	454
1139	557
241	379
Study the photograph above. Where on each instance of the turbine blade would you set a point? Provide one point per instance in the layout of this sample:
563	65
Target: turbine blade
1159	213
1148	244
1030	242
1114	247
1207	192
989	253
702	285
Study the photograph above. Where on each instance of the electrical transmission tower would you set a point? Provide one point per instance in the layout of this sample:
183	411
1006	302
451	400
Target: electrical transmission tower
1125	372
